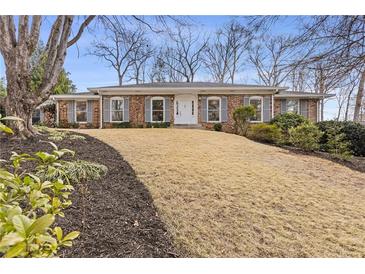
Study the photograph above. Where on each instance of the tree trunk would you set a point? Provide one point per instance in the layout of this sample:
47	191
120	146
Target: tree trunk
359	98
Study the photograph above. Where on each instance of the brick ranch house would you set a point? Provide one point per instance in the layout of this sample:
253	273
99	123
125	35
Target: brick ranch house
189	104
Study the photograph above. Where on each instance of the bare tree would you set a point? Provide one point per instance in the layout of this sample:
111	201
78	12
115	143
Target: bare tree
185	57
17	46
122	47
223	55
275	59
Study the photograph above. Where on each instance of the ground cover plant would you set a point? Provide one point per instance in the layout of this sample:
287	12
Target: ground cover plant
126	224
222	195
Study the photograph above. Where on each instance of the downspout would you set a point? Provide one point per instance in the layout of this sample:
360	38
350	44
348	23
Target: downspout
101	111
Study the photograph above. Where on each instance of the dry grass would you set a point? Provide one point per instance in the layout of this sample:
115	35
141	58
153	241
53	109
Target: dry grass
222	195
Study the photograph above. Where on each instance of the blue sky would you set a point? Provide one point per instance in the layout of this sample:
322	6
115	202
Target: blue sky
89	71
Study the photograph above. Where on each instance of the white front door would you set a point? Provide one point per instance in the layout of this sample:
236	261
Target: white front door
186	109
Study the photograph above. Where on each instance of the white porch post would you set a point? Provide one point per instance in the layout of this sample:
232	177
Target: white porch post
100	111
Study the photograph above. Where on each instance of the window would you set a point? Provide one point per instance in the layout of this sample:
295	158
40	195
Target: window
292	106
81	111
257	103
158	106
116	109
214	105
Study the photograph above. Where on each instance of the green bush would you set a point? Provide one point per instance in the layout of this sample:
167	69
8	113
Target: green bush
354	134
305	136
217	127
241	117
123	125
158	125
264	133
288	120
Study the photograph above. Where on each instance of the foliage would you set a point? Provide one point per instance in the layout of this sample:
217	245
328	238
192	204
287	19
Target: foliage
288	120
354	134
2	87
123	125
337	144
72	171
217	127
264	133
56	135
241	116
305	136
29	205
158	125
3	127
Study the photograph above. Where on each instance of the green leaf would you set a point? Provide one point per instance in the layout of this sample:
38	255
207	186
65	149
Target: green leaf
12	118
11	239
21	224
16	250
6	129
71	236
59	233
41	224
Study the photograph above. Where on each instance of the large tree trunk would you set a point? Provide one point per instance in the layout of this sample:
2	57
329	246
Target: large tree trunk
359	98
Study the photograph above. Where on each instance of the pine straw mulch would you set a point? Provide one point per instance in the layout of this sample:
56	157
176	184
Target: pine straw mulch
115	215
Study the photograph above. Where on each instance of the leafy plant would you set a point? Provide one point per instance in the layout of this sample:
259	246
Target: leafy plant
337	144
56	135
288	120
305	136
217	127
241	116
5	128
354	134
158	125
264	133
123	125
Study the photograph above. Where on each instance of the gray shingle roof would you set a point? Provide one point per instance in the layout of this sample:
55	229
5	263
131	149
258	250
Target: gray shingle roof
186	85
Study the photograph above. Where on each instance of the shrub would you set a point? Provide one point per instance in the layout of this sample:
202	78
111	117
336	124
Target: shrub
241	116
217	127
305	136
264	133
288	120
123	125
354	134
158	125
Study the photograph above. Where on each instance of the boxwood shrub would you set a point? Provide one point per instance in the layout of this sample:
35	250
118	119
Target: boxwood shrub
264	133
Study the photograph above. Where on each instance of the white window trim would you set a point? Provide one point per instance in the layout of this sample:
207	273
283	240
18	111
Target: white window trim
111	110
293	100
262	107
163	109
75	107
220	109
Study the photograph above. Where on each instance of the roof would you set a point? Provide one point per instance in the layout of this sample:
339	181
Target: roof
299	94
186	85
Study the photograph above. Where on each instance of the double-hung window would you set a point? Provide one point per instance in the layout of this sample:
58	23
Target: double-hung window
157	109
116	109
292	106
81	111
214	109
257	103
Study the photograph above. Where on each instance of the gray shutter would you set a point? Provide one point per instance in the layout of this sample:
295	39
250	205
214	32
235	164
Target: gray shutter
203	107
90	110
71	111
106	109
126	110
224	109
267	109
304	108
167	109
41	115
147	109
246	100
283	106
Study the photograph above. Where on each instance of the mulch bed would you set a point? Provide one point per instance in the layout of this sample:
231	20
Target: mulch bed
115	215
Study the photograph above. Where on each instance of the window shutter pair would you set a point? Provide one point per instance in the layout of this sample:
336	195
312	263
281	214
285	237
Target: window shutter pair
223	107
148	109
71	112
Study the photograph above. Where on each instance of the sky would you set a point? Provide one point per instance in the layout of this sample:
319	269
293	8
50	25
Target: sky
90	71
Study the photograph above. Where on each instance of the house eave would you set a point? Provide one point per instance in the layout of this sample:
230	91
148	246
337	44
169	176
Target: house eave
74	97
307	96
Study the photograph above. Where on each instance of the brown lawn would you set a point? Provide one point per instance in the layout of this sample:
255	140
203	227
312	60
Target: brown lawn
222	195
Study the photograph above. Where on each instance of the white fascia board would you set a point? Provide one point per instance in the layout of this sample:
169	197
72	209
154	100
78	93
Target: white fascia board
74	97
314	96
